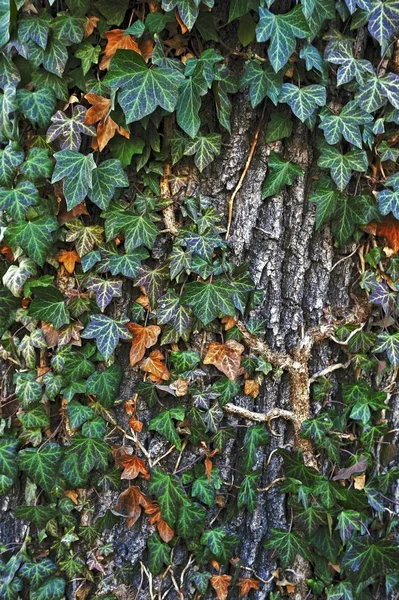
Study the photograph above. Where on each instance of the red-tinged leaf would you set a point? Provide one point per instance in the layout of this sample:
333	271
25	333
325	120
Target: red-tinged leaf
143	338
220	584
129	504
132	464
389	229
225	357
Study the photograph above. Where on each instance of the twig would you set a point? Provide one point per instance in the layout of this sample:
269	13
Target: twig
344	258
243	175
272	484
328	370
275	413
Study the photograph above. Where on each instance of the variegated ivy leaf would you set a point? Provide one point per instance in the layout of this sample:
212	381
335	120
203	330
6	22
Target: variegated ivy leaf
138	230
37	572
85	238
303	101
88	54
389	343
37	165
68	28
346	124
262	81
107	177
49	306
121	264
204	148
383	20
142	89
170	310
383	296
41	465
34	237
37	106
104	290
16	201
76	170
282	31
69	130
189	102
153	281
209	299
28	345
203	244
342	165
353	4
107	332
35	28
16	275
283	173
188	10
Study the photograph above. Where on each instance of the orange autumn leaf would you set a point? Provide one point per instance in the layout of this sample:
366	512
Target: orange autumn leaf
143	338
183	27
220	584
146	49
6	250
359	481
246	585
99	109
225	357
117	40
132	464
251	388
90	25
389	229
155	366
68	258
106	130
72	495
135	424
155	517
144	301
228	322
129	504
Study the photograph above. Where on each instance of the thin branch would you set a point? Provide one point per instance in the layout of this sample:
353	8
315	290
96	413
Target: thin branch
328	370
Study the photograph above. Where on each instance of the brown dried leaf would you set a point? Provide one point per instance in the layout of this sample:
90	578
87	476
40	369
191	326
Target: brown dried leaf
251	388
143	338
225	358
155	366
135	424
90	25
360	465
180	387
117	40
129	504
220	584
246	585
389	229
359	481
132	464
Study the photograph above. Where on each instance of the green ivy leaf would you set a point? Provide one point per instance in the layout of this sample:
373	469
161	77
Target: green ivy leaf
78	414
52	589
346	124
105	385
189	102
164	425
8	454
303	101
342	165
169	493
283	173
77	172
35	28
37	165
220	543
282	31
255	437
39	515
366	559
10	159
36	573
288	544
209	299
107	177
106	332
49	305
204	148
17	201
104	290
34	237
68	28
169	310
83	456
142	89
159	554
191	520
37	106
68	131
35	418
139	230
248	492
41	465
389	343
279	127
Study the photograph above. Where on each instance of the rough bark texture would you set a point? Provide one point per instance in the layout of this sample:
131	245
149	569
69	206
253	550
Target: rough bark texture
293	264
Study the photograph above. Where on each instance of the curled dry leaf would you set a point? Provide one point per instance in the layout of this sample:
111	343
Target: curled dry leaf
251	388
225	357
143	338
129	504
155	517
90	25
117	40
389	229
220	584
360	465
228	322
246	585
68	258
180	387
133	465
154	365
135	424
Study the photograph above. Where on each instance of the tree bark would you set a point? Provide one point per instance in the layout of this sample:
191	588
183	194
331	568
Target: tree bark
305	279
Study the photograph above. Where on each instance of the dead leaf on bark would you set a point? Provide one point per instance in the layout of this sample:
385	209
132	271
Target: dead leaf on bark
133	465
129	504
246	585
155	518
225	357
251	388
143	338
154	365
360	465
220	584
